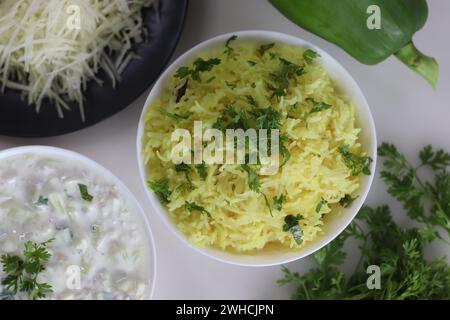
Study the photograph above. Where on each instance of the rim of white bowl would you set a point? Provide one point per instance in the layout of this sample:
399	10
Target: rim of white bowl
261	36
64	153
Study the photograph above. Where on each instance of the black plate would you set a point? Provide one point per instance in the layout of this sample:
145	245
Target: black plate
20	120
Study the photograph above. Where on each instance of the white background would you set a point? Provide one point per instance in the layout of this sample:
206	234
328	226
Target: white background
407	112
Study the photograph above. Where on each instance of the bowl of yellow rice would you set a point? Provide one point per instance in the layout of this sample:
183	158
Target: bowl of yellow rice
236	210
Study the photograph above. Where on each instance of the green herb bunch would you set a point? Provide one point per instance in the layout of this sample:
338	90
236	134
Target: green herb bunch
399	252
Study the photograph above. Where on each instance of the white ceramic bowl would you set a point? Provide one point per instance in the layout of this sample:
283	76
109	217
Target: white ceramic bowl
333	225
78	158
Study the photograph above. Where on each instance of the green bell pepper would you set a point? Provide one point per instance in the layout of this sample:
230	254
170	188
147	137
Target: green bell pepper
344	22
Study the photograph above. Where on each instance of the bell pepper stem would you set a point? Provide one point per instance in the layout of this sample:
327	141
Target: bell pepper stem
424	65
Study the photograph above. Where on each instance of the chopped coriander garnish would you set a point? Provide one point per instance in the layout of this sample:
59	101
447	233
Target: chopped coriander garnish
424	200
232	119
253	180
202	170
292	225
251	101
293	68
182	167
176	116
266	200
318	106
280	80
228	49
346	201
253	85
285	153
309	56
192	206
267	118
320	205
41	201
85	193
210	79
278	202
200	65
161	188
182	91
355	163
251	63
263	48
22	272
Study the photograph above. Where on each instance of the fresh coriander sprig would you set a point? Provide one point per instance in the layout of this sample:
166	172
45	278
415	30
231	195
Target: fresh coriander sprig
407	186
318	106
405	271
280	80
253	180
346	201
436	160
41	201
266	200
22	272
320	205
278	202
202	170
254	185
186	169
284	150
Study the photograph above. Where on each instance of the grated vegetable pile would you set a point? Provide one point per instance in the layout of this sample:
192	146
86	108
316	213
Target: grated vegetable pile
50	49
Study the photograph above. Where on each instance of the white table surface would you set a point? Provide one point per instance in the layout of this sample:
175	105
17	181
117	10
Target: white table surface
406	110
